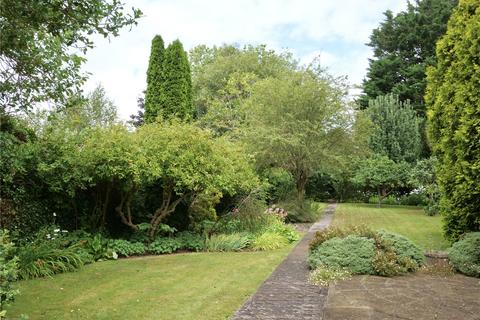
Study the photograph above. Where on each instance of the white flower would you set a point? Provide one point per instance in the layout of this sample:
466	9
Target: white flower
54	214
56	230
48	236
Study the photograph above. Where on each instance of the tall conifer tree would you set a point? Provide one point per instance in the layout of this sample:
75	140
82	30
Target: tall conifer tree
153	100
176	84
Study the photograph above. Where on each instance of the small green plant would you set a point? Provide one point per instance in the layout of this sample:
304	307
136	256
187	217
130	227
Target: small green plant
269	240
465	254
336	232
43	260
190	241
99	248
8	272
164	245
126	248
323	276
352	253
228	242
285	230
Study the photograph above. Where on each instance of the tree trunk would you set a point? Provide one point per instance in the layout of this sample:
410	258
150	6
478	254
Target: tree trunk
301	185
125	205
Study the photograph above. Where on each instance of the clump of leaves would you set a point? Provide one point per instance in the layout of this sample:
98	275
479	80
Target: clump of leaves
269	241
126	248
164	245
337	232
8	271
465	254
353	253
228	242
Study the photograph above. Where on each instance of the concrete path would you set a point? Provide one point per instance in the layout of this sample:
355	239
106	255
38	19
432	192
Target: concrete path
286	293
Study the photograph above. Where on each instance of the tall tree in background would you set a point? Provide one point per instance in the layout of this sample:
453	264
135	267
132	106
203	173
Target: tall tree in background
153	100
454	119
176	84
403	46
396	132
42	45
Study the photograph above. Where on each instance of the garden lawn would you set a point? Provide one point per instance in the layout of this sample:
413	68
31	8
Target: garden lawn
409	221
178	286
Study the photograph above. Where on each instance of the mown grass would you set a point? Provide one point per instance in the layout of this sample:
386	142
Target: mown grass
409	221
180	286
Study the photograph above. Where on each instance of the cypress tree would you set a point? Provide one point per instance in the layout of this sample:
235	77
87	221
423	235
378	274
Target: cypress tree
453	113
153	100
176	84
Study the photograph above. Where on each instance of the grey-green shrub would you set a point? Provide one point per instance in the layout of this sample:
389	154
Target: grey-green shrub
403	247
465	254
352	253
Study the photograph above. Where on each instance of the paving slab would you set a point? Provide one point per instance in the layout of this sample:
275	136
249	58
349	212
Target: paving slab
286	294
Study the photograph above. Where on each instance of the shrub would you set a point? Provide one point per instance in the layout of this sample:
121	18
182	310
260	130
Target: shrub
353	253
190	241
43	260
308	212
8	271
228	242
336	232
286	231
164	245
99	248
269	240
126	248
414	199
323	276
402	246
388	264
465	254
390	200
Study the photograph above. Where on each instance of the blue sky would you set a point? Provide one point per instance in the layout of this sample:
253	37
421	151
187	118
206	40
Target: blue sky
336	30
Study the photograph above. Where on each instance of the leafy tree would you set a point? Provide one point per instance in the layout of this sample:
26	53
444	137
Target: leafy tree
296	123
176	84
453	119
153	100
138	119
403	46
381	174
42	44
396	132
223	77
423	177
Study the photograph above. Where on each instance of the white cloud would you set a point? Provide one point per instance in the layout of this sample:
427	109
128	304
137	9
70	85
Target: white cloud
307	27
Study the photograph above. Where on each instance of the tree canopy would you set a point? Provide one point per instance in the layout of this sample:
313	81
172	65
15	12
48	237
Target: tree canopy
42	43
153	100
453	119
403	46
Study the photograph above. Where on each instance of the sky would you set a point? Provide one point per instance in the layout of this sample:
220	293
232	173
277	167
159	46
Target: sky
335	30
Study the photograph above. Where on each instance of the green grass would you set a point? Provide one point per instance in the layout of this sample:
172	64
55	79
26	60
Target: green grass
409	221
180	286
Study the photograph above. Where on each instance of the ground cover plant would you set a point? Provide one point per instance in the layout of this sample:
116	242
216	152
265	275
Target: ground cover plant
411	222
465	254
339	252
191	286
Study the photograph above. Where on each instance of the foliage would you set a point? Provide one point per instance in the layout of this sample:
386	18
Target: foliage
297	122
190	241
45	260
403	46
42	46
323	276
396	132
153	100
381	174
223	77
340	232
401	246
352	253
8	272
465	254
281	183
175	94
453	112
269	240
164	245
126	248
424	178
285	230
228	242
310	211
99	248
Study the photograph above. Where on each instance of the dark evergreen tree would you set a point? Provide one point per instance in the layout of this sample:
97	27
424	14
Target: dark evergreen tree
453	102
404	45
138	119
153	102
176	84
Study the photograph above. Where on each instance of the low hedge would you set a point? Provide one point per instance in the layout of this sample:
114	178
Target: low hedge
465	254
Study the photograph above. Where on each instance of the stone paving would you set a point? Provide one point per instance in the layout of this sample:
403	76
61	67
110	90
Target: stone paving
412	297
286	294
